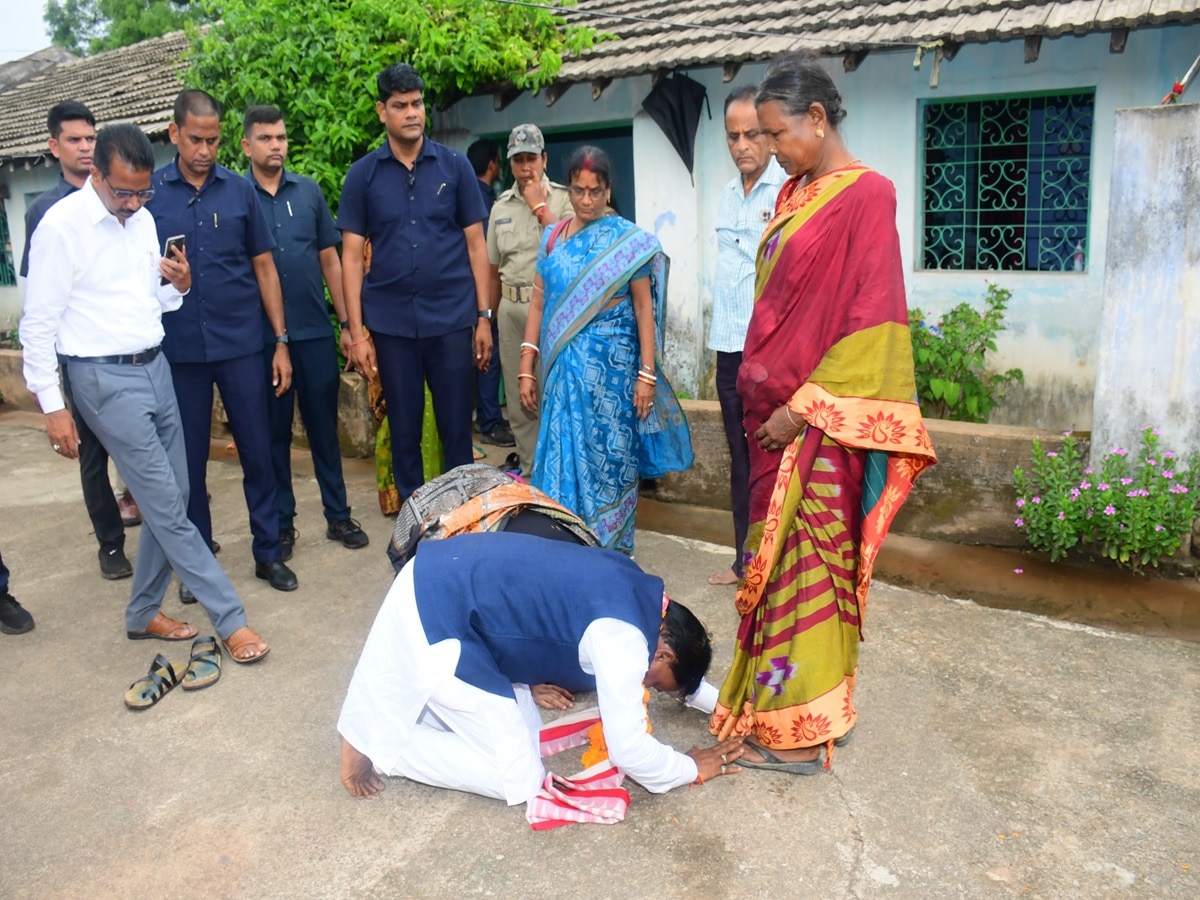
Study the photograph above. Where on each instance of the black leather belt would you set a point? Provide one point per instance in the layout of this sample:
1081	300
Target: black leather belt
141	358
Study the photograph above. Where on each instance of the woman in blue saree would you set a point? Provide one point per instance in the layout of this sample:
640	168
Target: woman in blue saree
609	417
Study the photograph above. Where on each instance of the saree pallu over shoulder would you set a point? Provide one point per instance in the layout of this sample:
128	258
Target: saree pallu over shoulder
592	448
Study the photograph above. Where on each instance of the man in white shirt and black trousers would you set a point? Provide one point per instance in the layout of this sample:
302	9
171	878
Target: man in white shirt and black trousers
95	298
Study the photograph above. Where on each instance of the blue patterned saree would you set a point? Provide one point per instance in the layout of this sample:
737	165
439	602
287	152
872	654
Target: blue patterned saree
592	449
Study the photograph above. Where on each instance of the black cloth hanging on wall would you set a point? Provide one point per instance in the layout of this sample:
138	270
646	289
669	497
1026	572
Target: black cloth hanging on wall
674	104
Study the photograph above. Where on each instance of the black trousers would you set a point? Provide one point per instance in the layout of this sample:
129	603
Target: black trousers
739	450
447	363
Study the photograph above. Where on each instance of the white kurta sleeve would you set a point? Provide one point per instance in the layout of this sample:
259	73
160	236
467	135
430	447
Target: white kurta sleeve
47	291
617	653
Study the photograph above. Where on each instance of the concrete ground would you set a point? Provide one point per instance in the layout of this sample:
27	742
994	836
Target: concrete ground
998	753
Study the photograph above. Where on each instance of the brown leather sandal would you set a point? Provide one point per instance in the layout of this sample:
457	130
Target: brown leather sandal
245	637
162	628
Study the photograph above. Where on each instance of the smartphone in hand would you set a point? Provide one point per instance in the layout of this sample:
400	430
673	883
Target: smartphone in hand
179	241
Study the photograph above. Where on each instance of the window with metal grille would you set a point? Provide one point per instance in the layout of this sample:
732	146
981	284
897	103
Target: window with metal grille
1006	182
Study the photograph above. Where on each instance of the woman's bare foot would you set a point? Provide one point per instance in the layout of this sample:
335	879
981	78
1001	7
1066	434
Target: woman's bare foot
358	775
803	754
726	577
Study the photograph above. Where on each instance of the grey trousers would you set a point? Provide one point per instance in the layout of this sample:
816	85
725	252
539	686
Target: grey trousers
132	410
525	425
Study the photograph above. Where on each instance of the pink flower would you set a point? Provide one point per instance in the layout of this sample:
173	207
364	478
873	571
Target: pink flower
1126	481
1155	432
1052	455
1036	500
1159	528
1168	455
1119	451
1020	523
1178	488
1018	571
1084	485
1167	473
1110	510
1152	462
1066	434
1131	494
1074	494
1102	486
1087	471
1020	502
1061	515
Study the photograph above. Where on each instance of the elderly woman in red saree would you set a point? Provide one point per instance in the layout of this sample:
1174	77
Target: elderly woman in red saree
836	435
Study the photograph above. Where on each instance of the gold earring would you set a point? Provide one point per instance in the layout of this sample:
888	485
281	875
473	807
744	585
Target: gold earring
820	132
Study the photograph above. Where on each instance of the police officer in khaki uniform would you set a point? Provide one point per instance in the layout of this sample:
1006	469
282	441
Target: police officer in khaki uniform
518	221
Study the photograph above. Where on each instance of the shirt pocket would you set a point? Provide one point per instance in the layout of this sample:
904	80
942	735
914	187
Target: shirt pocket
508	238
229	234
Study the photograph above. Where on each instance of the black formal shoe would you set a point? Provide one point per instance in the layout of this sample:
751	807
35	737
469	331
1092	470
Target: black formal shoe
185	595
216	547
500	436
114	564
14	618
287	541
349	532
277	575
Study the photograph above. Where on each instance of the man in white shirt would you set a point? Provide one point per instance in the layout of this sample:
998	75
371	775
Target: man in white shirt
747	205
441	692
94	301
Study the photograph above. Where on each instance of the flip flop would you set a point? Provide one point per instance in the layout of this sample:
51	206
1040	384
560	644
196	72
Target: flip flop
151	688
773	763
250	637
845	738
204	668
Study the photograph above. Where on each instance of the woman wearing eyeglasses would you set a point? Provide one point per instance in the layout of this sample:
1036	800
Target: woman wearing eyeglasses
596	317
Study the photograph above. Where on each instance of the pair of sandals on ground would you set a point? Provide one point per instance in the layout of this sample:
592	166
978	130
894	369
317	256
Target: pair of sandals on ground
203	668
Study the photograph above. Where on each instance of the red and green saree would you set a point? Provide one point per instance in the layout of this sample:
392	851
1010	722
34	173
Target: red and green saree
829	337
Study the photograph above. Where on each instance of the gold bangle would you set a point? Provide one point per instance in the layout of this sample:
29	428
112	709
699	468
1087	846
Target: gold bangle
526	375
536	208
788	412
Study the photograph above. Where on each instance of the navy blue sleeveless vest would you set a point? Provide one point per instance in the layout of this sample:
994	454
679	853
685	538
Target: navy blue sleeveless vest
520	605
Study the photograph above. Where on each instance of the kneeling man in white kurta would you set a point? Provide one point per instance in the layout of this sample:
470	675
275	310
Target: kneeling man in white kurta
441	692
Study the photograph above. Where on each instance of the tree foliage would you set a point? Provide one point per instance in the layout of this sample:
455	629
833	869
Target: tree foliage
89	26
317	61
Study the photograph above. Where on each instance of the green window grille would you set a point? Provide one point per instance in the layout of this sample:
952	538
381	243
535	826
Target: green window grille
1007	182
8	272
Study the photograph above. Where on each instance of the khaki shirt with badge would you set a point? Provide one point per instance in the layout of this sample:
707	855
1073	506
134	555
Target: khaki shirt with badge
514	234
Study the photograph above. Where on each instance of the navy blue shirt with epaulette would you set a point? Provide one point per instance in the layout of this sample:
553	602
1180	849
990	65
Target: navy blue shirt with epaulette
221	316
420	284
299	218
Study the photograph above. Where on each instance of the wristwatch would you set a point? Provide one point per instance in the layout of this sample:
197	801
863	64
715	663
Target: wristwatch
485	314
281	338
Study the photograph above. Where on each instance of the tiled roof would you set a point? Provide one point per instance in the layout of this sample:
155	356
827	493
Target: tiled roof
135	84
663	34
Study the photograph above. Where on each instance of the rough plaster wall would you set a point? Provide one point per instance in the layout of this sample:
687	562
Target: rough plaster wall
1149	355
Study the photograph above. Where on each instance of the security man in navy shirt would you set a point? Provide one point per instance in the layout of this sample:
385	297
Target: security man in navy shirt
305	251
217	335
425	299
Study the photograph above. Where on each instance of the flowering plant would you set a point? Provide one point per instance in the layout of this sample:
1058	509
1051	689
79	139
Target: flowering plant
1135	510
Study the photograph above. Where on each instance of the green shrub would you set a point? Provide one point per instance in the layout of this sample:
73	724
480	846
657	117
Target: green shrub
949	359
1135	512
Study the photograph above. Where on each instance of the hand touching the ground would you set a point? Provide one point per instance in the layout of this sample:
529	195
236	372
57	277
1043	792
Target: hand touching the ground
551	696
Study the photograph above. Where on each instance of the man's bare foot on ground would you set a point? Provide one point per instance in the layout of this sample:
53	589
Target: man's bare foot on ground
726	577
804	754
358	775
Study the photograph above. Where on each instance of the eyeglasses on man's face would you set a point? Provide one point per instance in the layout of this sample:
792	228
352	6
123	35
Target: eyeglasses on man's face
126	194
596	193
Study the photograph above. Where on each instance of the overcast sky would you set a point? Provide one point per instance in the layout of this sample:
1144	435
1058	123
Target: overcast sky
23	31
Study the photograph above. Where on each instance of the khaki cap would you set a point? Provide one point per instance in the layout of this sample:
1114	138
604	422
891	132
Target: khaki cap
526	139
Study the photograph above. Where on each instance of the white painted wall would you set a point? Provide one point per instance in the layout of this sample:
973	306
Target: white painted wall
1149	352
